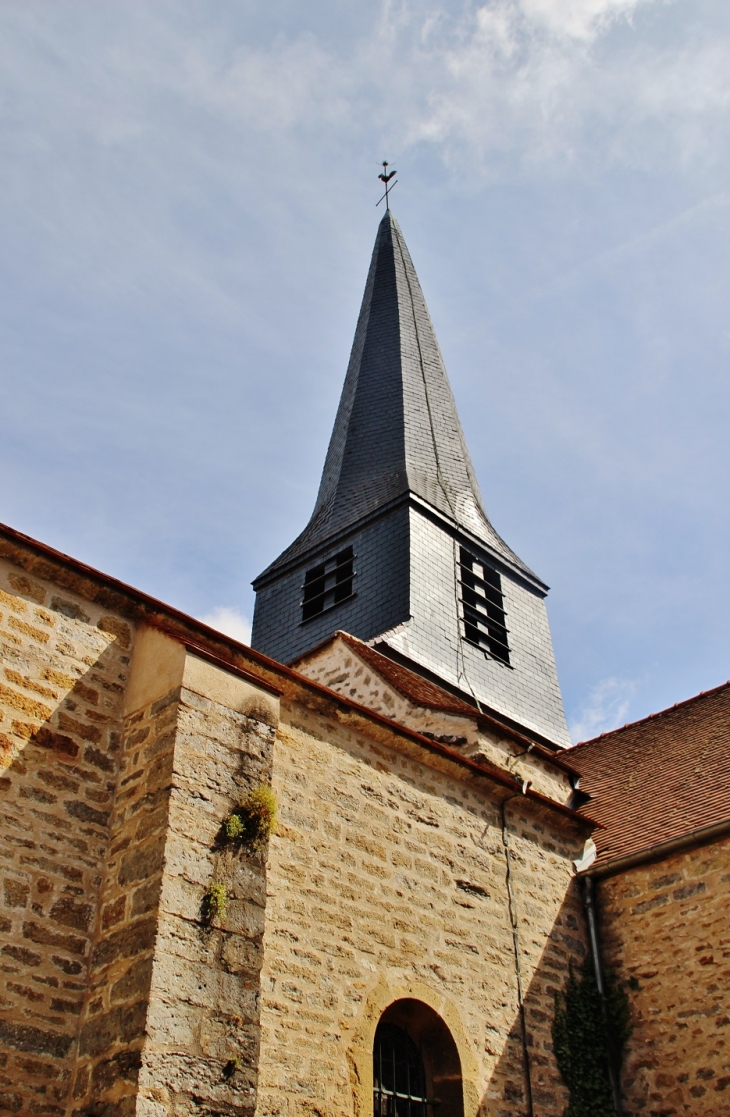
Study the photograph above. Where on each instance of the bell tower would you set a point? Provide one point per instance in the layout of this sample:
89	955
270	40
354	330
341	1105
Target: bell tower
399	551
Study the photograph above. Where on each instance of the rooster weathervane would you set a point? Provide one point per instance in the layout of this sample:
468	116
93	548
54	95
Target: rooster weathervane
385	177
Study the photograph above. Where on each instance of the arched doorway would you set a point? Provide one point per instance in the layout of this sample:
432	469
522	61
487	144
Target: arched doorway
416	1065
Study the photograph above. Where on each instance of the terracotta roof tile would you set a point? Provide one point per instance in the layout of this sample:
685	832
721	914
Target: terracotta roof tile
420	691
659	778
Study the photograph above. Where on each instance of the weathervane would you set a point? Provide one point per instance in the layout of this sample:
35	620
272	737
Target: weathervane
385	177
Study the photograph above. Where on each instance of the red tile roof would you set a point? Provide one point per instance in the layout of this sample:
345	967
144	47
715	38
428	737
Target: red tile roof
420	691
660	778
423	692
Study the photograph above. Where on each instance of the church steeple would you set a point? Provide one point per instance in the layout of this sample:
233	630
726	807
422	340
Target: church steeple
399	549
397	430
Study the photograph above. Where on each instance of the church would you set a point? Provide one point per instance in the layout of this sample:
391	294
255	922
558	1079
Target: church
356	869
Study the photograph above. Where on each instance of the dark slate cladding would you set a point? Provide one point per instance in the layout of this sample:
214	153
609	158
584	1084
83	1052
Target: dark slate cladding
380	598
397	431
398	488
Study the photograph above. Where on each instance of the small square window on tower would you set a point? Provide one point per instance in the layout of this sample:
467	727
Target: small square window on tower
483	606
328	584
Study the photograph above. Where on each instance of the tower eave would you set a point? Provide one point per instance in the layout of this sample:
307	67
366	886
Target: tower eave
303	551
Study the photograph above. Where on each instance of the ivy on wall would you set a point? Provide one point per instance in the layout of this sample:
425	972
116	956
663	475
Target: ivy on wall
588	1039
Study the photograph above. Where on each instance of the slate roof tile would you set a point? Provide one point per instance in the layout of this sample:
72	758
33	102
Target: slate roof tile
397	430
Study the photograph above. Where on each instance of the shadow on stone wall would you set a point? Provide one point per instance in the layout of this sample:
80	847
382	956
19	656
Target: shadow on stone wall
61	742
96	812
506	1095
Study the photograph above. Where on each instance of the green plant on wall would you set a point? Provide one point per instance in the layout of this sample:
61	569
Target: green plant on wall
215	902
253	821
588	1039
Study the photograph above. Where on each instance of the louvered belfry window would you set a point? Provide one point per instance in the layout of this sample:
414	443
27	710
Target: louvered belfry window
328	584
483	606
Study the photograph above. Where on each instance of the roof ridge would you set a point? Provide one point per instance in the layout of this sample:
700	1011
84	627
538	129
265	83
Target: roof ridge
651	717
454	700
455	704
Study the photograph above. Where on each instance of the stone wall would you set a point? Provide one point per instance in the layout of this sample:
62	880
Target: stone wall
202	1046
338	666
171	1018
124	749
387	879
64	667
120	967
119	764
665	930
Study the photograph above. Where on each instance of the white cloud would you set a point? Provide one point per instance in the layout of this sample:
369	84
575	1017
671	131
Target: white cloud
578	19
229	621
605	708
166	105
561	84
417	70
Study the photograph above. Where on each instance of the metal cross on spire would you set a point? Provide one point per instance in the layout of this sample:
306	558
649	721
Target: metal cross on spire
385	177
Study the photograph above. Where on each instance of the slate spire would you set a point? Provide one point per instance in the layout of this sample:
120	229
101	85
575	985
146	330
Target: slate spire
397	430
399	551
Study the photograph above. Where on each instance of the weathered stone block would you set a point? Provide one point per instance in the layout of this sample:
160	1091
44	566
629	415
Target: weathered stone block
85	813
142	863
25	1037
71	913
134	984
145	898
119	1025
125	943
39	933
16	893
122	1066
57	742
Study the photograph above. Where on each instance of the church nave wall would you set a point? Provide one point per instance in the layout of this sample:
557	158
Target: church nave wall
388	874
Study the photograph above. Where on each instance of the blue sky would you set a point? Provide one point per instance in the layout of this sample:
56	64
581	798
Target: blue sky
186	217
